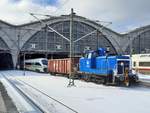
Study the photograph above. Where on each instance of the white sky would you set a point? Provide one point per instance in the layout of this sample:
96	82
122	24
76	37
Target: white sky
124	14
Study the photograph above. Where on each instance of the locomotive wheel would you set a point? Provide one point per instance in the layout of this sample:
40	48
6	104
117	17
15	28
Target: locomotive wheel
87	78
106	80
117	82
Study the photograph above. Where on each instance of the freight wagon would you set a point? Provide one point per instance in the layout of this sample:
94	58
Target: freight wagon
62	66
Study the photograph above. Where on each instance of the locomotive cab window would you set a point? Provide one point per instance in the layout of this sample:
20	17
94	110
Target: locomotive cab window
122	65
92	55
85	55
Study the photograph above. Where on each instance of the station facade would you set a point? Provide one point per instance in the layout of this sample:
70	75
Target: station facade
35	39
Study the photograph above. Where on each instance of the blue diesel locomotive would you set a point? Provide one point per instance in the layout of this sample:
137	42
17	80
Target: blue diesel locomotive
98	66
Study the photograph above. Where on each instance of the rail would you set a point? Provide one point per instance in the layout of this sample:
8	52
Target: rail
143	83
24	95
61	103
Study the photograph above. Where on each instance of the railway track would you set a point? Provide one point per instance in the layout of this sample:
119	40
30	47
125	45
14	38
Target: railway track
26	97
145	84
42	101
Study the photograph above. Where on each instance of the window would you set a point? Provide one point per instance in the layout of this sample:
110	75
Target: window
27	63
146	64
38	40
90	55
37	64
45	62
134	64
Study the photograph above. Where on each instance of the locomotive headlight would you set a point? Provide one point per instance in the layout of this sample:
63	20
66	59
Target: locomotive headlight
121	63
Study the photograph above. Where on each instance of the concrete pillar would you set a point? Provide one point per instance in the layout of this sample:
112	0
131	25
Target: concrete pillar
14	54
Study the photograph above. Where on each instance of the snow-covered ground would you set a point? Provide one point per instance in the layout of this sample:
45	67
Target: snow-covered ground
89	97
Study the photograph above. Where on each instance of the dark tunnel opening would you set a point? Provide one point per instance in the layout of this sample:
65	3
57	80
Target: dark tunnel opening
6	61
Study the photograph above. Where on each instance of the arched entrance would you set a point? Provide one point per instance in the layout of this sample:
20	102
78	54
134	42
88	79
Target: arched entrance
5	56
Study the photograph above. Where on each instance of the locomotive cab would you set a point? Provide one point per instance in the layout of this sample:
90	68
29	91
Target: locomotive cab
123	72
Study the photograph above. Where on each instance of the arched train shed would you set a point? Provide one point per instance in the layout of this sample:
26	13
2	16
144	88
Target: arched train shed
37	41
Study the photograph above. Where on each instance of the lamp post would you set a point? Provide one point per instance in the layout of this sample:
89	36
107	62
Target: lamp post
71	79
18	63
46	48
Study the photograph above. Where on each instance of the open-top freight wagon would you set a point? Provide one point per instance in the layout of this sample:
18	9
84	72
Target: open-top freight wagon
97	66
62	66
